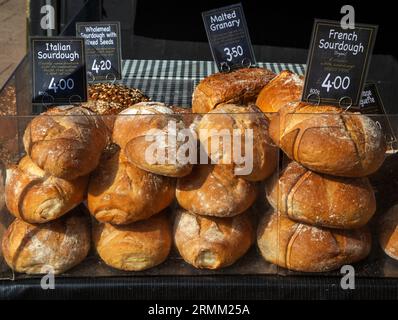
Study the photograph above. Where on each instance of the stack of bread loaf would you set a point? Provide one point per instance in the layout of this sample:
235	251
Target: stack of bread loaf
214	223
64	146
322	199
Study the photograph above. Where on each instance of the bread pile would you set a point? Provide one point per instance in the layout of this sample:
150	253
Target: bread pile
51	232
322	199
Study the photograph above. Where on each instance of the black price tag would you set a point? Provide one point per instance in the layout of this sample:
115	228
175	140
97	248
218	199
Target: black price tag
338	63
103	49
229	38
372	104
58	70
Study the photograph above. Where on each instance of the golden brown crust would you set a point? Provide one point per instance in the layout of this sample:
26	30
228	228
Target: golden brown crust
66	142
120	193
305	248
214	190
326	140
212	243
322	200
388	232
240	87
35	197
134	247
284	88
59	244
260	153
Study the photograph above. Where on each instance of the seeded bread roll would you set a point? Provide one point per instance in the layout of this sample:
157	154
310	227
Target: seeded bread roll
116	94
134	247
322	200
284	88
388	232
120	193
56	246
35	197
66	142
239	87
212	243
327	140
232	133
305	248
214	190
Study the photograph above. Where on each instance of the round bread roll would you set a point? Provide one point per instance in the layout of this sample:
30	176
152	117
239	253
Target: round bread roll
388	232
56	246
35	197
305	248
138	119
150	134
118	95
214	190
322	200
212	243
134	247
121	193
284	88
232	133
239	86
66	142
327	140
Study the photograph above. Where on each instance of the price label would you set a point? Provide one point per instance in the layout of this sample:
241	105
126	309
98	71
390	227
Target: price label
229	38
338	63
372	104
58	70
103	49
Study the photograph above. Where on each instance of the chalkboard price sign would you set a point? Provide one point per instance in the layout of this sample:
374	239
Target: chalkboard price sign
338	63
103	49
58	70
229	38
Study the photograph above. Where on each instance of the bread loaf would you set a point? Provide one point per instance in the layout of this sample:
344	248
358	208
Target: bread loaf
56	246
138	119
66	142
212	243
327	140
388	232
284	88
214	190
117	95
239	135
240	87
35	197
120	193
134	247
305	248
322	200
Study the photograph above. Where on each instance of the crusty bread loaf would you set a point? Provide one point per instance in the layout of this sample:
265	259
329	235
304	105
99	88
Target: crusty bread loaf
134	247
66	142
212	243
120	96
284	88
149	134
301	247
35	197
121	193
240	87
321	200
138	119
327	140
55	246
214	190
388	232
232	133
